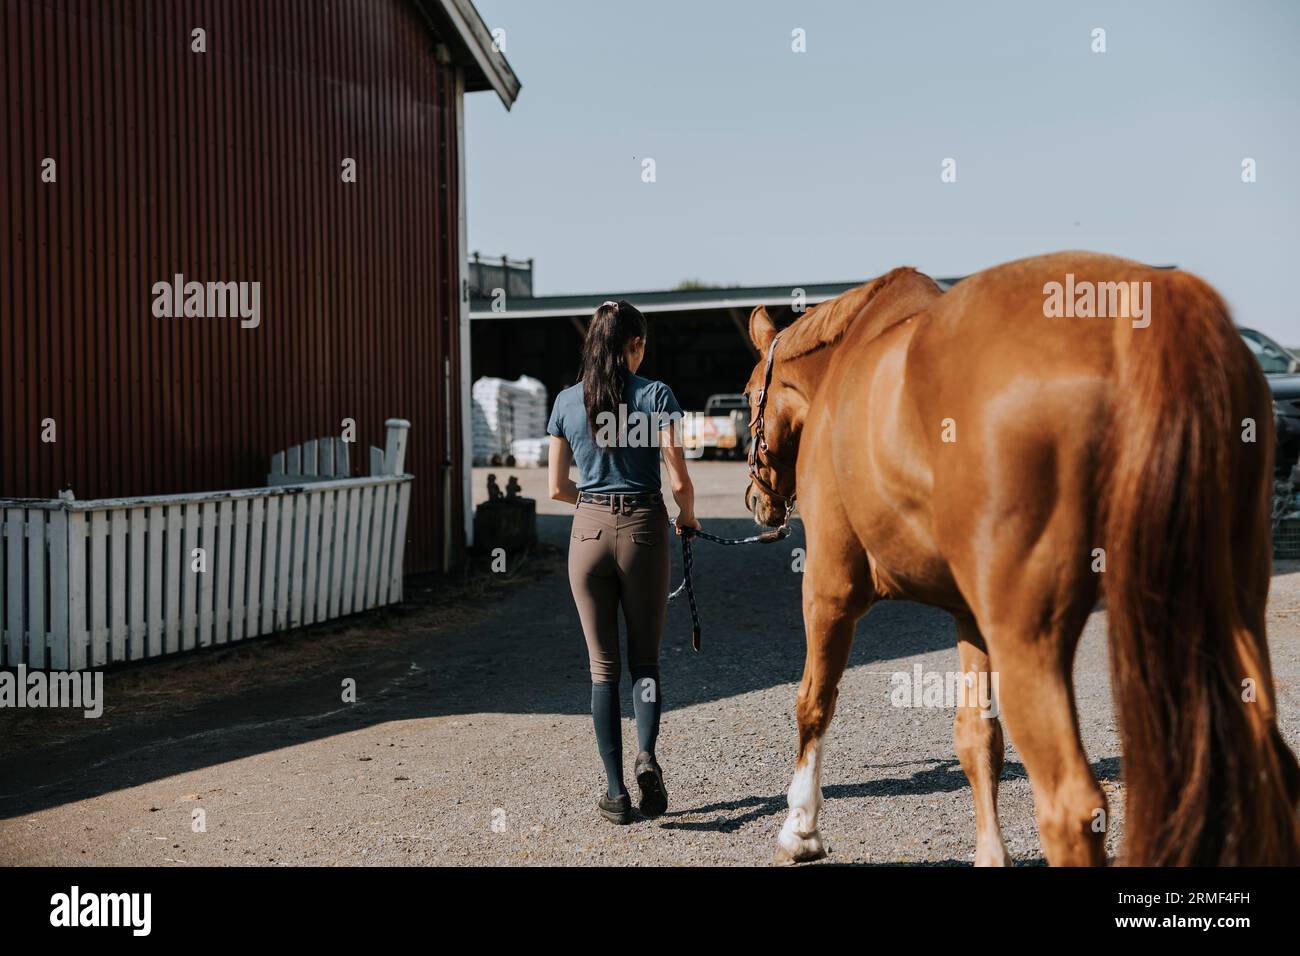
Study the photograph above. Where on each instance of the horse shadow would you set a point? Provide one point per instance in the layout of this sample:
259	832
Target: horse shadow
935	776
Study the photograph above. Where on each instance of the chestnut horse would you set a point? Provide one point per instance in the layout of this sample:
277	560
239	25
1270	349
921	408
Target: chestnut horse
981	452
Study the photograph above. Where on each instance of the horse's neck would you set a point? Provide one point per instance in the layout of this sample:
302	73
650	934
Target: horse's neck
875	329
807	372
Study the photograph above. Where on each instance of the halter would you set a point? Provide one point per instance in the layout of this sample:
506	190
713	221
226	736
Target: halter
760	436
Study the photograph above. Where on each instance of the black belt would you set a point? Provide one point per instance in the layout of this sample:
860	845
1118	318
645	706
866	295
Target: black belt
621	502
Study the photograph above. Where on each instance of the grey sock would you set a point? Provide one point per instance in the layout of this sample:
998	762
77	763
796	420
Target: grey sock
606	716
647	702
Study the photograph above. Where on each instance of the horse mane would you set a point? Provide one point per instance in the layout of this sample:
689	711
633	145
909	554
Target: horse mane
825	324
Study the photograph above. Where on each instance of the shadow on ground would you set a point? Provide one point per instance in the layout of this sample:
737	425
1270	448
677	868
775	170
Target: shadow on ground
517	650
938	776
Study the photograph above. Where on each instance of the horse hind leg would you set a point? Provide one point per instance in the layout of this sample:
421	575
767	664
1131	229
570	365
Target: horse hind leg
829	620
1036	698
1025	571
977	735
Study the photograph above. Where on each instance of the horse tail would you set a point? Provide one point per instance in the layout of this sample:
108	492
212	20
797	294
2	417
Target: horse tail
1186	516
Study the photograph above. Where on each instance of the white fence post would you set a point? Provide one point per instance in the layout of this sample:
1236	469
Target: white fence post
395	445
78	604
36	624
58	638
16	594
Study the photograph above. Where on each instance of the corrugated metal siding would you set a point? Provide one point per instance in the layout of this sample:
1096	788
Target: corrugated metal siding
225	166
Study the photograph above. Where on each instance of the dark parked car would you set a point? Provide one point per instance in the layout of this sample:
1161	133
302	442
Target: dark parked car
1282	369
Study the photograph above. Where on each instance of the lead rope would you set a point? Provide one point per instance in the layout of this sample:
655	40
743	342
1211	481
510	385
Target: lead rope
687	585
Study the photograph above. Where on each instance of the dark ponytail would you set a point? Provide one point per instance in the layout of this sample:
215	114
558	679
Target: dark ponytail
604	362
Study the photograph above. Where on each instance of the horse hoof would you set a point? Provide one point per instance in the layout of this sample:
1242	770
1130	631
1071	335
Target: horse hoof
792	848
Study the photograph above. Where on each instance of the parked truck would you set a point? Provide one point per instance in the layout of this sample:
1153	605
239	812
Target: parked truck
720	431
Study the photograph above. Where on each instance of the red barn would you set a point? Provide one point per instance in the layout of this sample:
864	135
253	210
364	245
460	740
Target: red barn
302	162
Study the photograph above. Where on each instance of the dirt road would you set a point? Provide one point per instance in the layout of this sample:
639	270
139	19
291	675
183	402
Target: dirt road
470	739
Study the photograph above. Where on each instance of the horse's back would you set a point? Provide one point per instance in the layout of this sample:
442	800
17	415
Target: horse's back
1016	375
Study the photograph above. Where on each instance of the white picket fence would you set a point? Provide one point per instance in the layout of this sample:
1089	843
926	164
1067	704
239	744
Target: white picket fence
91	583
317	460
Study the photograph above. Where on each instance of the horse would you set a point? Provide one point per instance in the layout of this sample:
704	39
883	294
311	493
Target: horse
987	452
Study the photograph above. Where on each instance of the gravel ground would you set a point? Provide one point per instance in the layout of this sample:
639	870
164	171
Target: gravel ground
470	741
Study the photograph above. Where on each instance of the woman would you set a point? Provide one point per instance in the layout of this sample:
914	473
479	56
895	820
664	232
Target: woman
613	424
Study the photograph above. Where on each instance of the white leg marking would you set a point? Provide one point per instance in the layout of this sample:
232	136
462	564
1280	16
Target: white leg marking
799	839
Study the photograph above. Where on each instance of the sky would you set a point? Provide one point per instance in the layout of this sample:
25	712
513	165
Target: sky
775	167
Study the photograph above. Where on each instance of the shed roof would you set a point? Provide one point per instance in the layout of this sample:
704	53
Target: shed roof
667	300
458	24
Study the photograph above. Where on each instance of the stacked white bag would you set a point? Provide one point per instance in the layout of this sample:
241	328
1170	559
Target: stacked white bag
528	409
530	452
490	406
506	414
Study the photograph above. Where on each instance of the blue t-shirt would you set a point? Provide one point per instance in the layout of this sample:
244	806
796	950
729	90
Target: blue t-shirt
623	456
